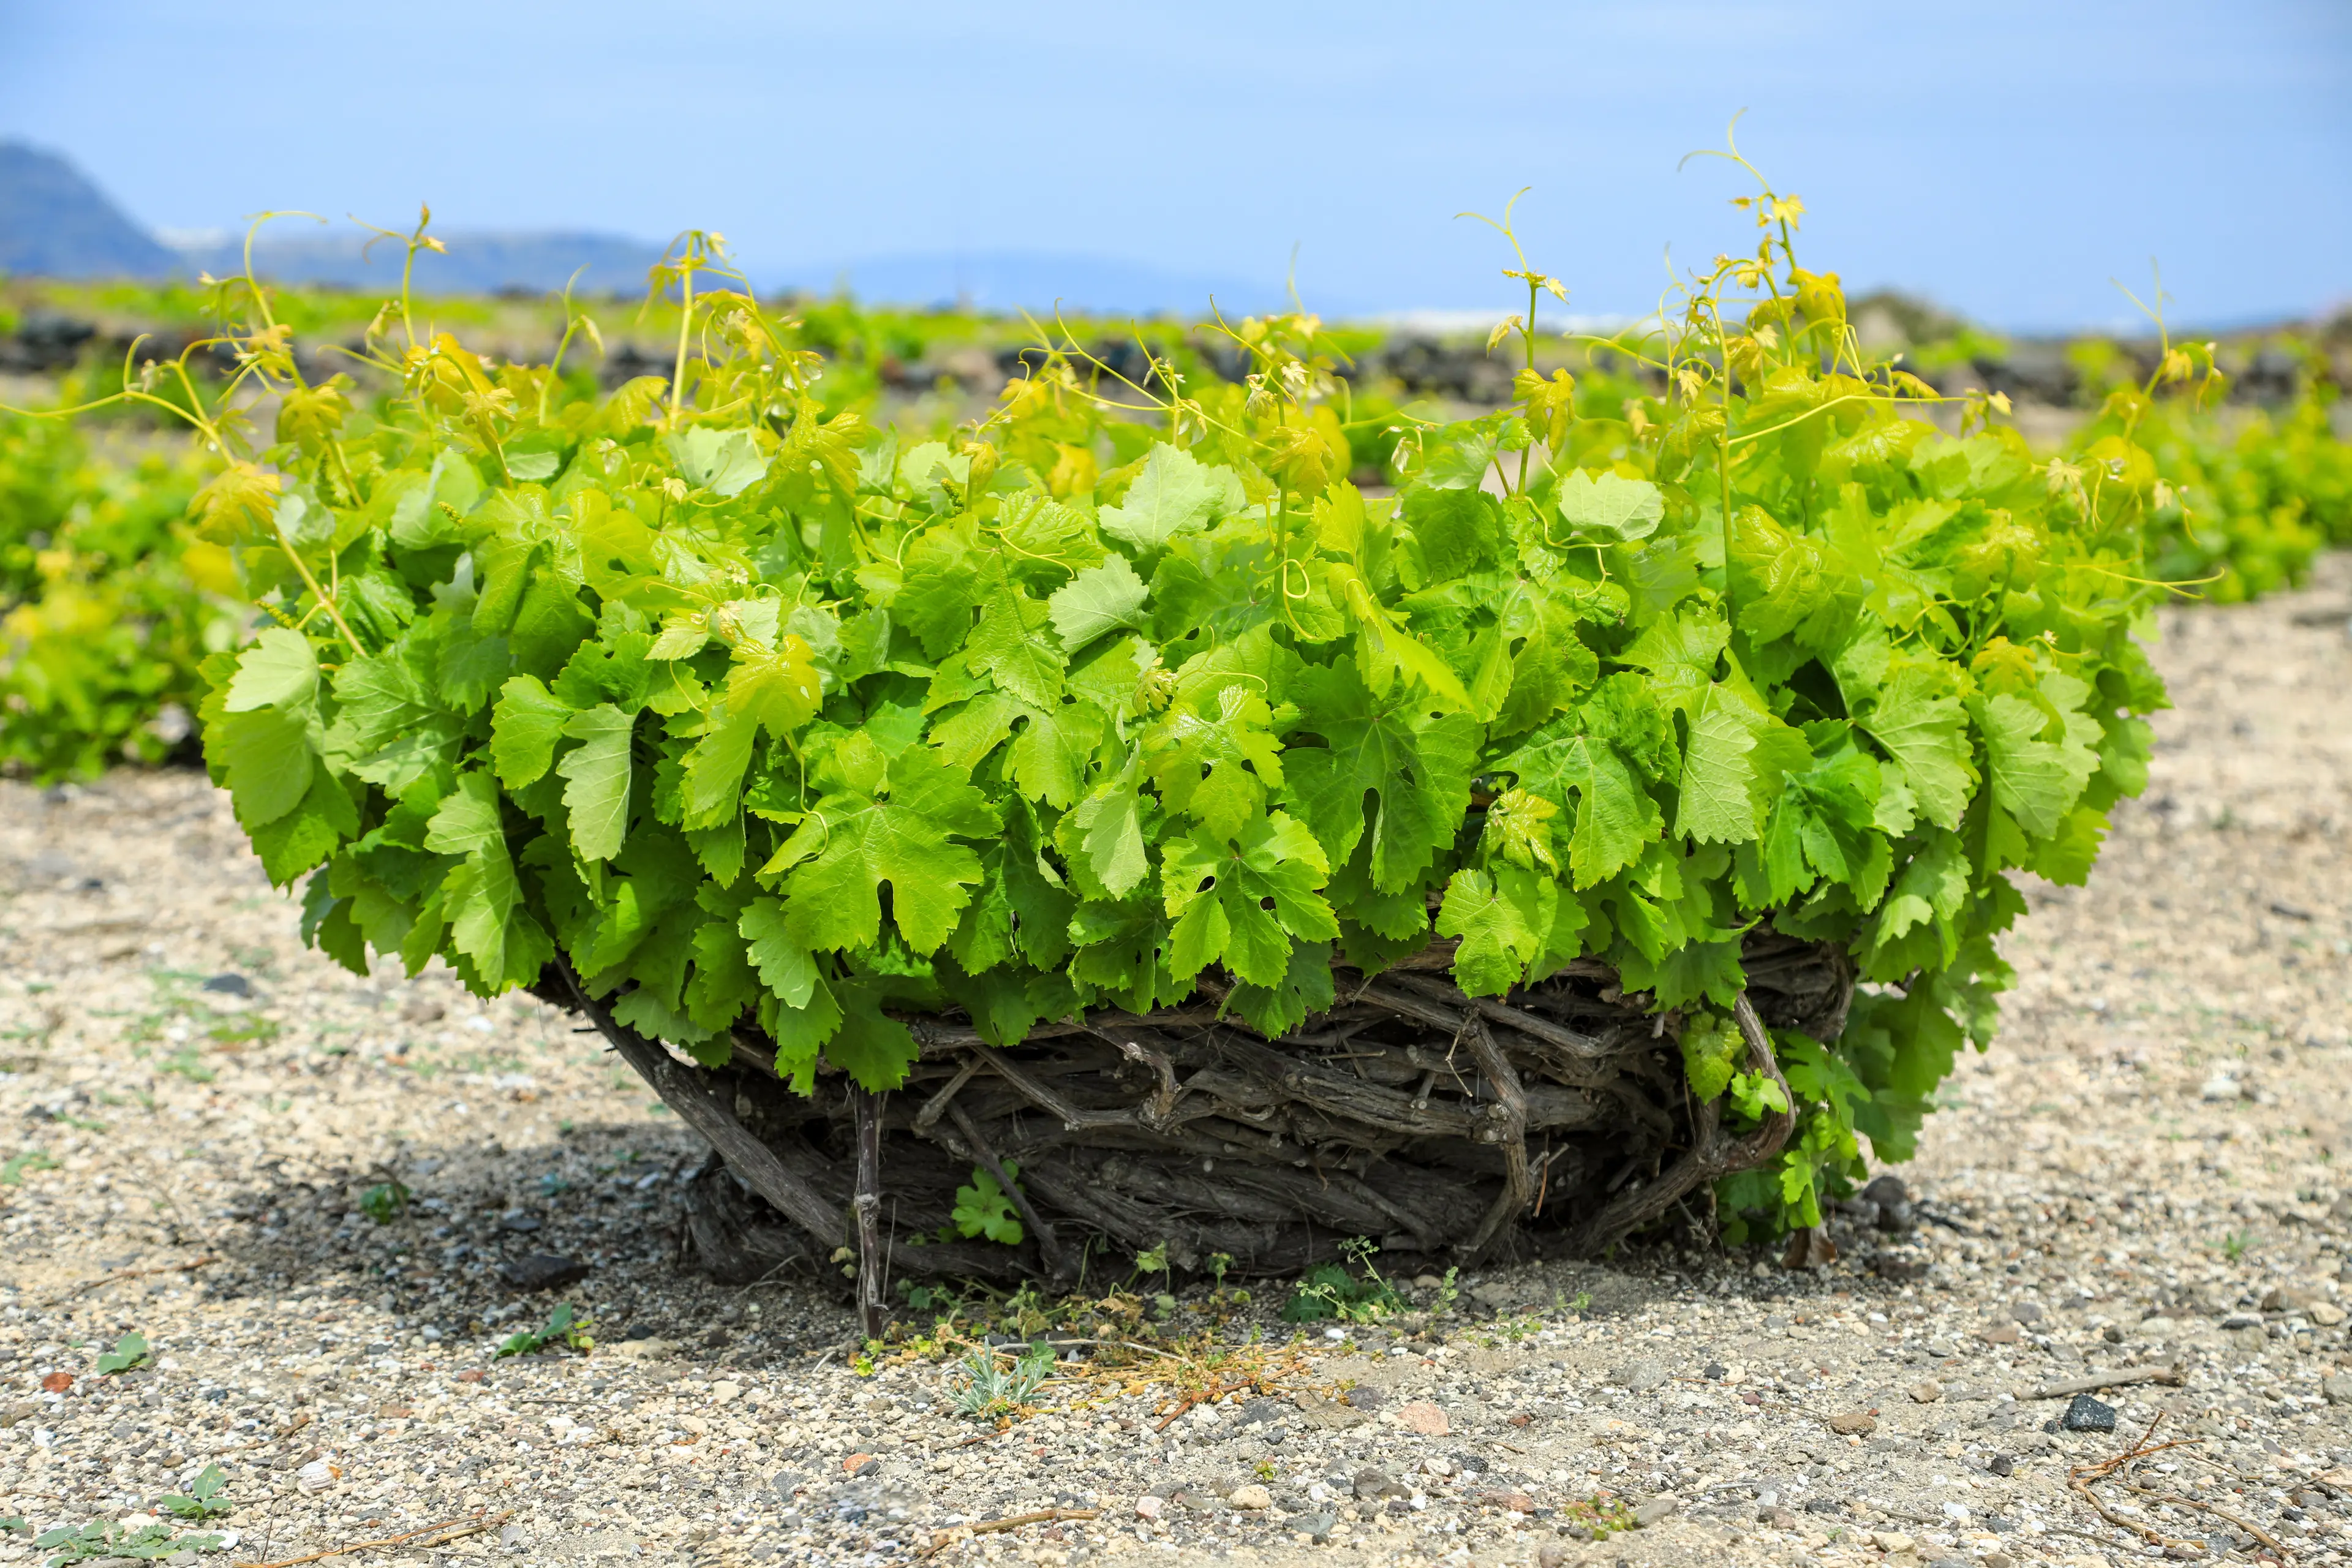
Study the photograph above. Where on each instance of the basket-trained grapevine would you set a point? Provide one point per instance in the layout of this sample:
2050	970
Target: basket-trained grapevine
1210	850
104	614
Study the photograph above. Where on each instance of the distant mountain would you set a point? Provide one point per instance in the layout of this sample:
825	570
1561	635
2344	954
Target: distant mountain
55	223
1036	281
479	263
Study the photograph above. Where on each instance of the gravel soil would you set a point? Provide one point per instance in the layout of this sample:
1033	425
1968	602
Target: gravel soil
197	1116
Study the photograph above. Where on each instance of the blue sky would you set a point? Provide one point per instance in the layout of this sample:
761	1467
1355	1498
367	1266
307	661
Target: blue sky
2004	158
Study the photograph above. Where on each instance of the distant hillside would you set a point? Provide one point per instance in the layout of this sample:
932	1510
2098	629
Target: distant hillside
1023	280
55	223
481	263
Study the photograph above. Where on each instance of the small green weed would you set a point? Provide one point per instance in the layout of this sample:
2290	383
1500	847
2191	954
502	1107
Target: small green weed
985	1209
12	1172
1331	1291
100	1539
1602	1514
188	1065
129	1351
203	1498
996	1384
2236	1245
562	1327
384	1202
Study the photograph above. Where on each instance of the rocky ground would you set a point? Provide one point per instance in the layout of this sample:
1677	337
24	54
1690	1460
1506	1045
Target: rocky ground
201	1125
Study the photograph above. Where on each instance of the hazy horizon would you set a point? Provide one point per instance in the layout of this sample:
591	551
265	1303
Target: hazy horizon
2006	167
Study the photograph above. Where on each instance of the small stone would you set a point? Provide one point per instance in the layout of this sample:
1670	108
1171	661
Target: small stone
2337	1390
1927	1391
1423	1417
1366	1398
1372	1485
511	1538
1438	1465
1260	1412
2221	1087
56	1382
1551	1554
1890	1541
1665	1505
229	985
1511	1502
1853	1424
1892	1199
1315	1526
2242	1320
2000	1465
2088	1415
1714	1369
1148	1507
543	1271
2001	1334
421	1010
857	1462
1809	1247
1885	1189
1253	1497
2025	1311
651	1347
2327	1314
1996	1560
723	1391
1641	1376
1331	1414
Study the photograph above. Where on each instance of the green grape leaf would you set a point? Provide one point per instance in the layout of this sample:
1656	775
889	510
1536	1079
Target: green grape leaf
280	670
1174	493
1498	939
1008	647
2036	779
525	727
596	780
904	838
1098	600
1919	724
265	754
725	462
1418	768
1610	507
1242	900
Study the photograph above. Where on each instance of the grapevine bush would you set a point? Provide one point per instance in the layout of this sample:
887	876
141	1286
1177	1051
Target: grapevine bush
758	717
2238	504
107	602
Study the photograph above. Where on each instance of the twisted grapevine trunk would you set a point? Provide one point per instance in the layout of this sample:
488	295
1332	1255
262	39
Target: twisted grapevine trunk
1447	1128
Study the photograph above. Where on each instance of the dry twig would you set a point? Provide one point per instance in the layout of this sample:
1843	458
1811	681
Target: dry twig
457	1528
2092	1385
117	1276
943	1538
2080	1479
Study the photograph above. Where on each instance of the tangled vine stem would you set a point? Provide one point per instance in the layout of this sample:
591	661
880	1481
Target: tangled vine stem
1445	1127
